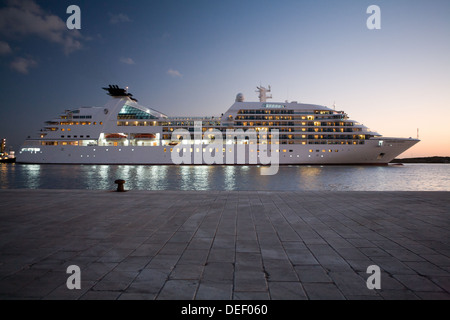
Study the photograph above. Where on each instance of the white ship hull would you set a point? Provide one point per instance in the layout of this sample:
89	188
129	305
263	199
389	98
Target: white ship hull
369	153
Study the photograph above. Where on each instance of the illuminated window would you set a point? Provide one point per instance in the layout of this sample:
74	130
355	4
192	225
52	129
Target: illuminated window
128	112
273	106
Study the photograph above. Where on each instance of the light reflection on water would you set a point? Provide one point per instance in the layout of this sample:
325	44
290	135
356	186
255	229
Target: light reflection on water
409	177
230	178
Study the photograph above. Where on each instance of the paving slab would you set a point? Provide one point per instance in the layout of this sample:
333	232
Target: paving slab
224	245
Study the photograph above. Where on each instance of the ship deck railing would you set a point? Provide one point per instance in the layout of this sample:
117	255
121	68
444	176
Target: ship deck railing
193	118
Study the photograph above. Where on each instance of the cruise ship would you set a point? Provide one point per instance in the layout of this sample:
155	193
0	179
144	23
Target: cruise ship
249	133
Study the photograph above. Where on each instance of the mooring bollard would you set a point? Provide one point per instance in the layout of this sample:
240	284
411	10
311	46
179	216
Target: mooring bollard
120	184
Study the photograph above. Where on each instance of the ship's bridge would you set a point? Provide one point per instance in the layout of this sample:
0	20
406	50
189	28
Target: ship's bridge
279	108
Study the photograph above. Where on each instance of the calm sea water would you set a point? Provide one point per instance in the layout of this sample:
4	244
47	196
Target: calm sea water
409	177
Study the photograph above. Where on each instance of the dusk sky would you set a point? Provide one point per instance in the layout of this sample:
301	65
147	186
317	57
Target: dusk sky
191	58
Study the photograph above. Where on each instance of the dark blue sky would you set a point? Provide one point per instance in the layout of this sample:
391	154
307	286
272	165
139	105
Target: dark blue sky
193	57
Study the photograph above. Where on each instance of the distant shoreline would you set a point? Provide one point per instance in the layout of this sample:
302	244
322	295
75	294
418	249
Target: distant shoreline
423	160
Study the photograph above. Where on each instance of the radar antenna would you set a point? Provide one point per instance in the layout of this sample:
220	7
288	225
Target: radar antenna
263	93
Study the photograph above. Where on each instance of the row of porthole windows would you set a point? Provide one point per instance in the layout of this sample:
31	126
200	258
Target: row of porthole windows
88	136
105	150
206	150
323	150
298	156
108	150
224	150
231	150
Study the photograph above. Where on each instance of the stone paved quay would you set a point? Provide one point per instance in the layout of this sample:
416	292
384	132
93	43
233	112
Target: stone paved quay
217	245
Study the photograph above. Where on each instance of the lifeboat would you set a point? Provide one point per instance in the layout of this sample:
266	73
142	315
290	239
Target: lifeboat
144	136
115	136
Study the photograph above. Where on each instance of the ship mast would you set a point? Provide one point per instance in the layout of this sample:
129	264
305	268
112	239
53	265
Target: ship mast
263	93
